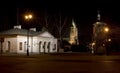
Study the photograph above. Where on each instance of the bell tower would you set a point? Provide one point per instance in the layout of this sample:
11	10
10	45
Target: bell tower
74	34
99	36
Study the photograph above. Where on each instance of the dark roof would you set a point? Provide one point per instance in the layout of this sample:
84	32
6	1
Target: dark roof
17	31
99	23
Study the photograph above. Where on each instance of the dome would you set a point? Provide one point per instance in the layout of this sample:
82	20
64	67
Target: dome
99	23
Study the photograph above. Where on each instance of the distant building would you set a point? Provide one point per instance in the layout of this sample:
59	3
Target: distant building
74	34
16	40
99	36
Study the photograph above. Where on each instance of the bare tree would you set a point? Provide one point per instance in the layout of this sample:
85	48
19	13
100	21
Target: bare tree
58	25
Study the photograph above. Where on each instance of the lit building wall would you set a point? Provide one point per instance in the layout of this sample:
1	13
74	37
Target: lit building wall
15	40
10	44
22	44
99	37
74	34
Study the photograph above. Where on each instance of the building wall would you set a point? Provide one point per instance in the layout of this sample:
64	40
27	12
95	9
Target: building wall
34	43
74	36
21	44
99	37
10	44
47	45
37	44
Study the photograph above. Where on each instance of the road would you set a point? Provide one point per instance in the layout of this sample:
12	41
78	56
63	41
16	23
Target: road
59	63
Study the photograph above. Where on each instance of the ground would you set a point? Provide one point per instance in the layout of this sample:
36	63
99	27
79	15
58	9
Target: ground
60	63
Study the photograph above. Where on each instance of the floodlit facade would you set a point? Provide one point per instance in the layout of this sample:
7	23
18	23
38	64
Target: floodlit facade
16	41
74	34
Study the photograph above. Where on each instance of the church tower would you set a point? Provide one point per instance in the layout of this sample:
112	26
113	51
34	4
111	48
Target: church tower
99	36
74	34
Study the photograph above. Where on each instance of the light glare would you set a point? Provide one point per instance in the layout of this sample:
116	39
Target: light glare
106	29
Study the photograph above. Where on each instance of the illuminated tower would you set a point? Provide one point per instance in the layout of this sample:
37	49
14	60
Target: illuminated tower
99	35
74	34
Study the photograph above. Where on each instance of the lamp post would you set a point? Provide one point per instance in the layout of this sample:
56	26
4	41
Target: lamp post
106	31
28	17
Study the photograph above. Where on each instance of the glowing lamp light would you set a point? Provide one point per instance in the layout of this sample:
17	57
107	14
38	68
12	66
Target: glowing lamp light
106	29
109	40
93	43
28	16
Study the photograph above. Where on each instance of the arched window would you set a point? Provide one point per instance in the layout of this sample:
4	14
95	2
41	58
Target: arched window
9	46
1	44
48	46
40	46
54	47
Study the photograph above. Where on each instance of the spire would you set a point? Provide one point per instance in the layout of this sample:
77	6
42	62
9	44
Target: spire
98	16
73	23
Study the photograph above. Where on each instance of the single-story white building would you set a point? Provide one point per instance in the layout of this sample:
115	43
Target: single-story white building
18	40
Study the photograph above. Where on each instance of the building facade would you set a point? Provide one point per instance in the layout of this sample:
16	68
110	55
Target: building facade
100	32
74	34
16	40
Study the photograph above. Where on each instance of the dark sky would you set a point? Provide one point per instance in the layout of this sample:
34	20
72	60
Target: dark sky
84	12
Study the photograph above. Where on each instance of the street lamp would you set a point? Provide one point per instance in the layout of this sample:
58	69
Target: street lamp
28	17
106	29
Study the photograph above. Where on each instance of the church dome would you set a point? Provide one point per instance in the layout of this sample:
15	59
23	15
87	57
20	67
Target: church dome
99	23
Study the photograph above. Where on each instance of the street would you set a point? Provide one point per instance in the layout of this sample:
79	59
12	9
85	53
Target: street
59	63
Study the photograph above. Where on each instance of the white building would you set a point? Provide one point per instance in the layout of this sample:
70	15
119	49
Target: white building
15	41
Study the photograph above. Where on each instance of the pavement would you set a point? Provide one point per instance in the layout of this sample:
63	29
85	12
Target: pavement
59	63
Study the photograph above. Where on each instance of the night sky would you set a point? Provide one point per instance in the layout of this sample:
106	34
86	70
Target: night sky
83	12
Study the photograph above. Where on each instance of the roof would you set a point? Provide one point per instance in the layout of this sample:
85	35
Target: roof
99	23
17	31
45	34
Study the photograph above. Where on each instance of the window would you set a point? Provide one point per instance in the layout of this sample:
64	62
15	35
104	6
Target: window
20	47
40	46
48	46
54	47
9	46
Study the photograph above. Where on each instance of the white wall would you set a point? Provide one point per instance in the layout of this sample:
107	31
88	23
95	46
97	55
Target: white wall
47	40
22	39
34	46
13	44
